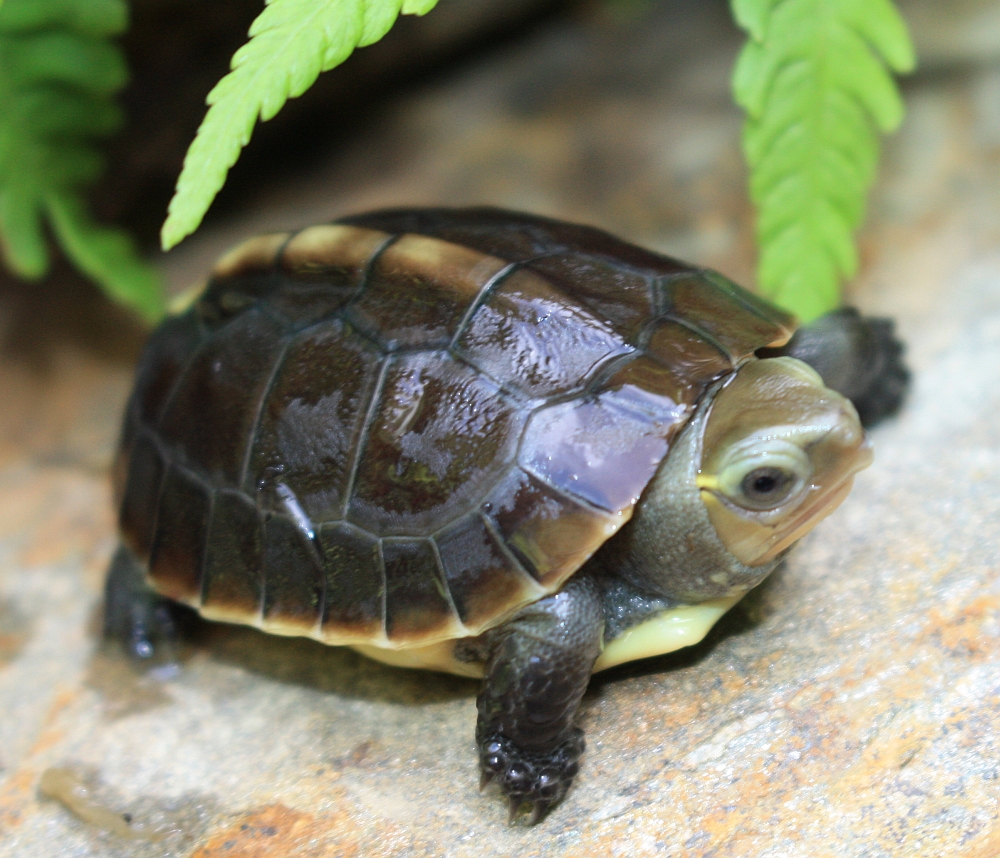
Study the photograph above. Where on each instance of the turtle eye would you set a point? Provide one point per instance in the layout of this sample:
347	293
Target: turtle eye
763	474
767	487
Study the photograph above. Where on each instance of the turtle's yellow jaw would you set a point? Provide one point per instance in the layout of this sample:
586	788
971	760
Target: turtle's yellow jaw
779	454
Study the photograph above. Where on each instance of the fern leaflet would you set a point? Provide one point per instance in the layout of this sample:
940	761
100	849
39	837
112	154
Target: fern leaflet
59	72
813	82
291	42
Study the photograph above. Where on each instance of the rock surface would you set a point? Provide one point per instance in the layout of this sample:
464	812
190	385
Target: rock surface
846	708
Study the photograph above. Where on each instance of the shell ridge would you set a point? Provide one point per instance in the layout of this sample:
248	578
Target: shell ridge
385	590
478	226
265	394
254	256
165	458
369	262
480	299
370	412
700	332
366	274
446	590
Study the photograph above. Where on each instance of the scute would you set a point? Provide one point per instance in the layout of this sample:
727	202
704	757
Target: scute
311	424
597	450
550	533
401	428
179	538
419	290
232	578
293	578
209	419
718	310
485	582
139	493
355	584
418	607
440	435
532	339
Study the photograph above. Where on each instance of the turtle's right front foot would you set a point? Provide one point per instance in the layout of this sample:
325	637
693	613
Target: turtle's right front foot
538	779
146	624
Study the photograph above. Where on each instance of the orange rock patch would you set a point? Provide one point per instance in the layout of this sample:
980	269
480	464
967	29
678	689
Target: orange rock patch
279	830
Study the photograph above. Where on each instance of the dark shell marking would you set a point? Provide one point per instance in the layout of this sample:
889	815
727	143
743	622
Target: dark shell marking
401	428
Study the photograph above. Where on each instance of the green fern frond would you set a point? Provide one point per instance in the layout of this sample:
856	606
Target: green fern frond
291	42
814	84
108	256
58	75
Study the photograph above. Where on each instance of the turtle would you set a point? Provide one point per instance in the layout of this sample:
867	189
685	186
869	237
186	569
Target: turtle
483	442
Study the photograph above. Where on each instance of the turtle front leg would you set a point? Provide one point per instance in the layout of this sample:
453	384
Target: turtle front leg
858	356
539	666
146	624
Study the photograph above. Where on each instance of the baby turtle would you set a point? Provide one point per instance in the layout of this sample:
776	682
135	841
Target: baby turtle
482	442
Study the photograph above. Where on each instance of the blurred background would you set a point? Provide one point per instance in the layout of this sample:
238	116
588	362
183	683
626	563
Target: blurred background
848	708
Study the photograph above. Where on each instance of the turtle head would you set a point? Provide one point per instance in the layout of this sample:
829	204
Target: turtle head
779	454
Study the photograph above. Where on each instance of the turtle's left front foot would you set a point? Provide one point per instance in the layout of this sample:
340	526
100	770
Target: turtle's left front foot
146	625
539	779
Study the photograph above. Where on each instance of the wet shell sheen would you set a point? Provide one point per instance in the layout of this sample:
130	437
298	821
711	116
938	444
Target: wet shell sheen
400	428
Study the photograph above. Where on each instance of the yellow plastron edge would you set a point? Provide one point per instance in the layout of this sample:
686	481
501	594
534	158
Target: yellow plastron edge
666	632
671	630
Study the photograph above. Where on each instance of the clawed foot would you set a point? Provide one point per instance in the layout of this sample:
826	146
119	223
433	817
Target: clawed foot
537	779
889	378
145	624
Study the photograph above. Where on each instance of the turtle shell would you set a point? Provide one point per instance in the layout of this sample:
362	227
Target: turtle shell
402	427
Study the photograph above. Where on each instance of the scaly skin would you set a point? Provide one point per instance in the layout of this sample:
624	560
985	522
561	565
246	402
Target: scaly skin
538	670
146	624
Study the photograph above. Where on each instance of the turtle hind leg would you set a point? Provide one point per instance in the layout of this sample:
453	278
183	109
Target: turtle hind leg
858	356
538	670
148	626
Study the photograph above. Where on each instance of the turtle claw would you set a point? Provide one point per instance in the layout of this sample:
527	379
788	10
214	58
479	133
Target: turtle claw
514	807
538	811
484	780
890	378
539	779
146	625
